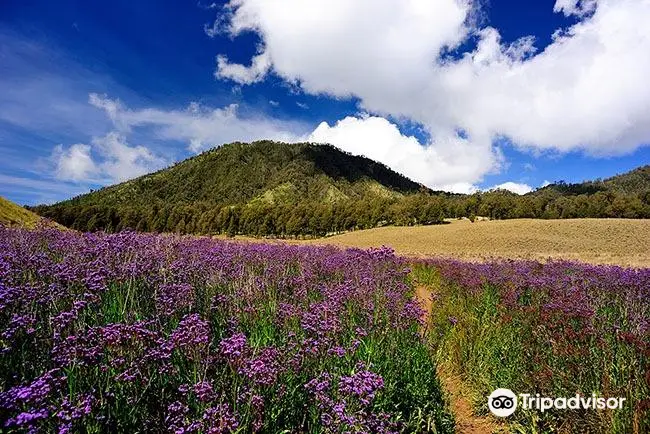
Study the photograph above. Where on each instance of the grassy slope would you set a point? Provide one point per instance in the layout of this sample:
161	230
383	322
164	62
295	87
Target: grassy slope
615	241
12	214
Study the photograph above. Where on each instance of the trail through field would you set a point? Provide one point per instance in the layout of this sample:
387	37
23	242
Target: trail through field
457	391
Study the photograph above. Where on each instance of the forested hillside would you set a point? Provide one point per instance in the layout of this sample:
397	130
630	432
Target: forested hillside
261	188
268	188
624	196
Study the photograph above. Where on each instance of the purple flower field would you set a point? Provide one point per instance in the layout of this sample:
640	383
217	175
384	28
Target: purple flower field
148	333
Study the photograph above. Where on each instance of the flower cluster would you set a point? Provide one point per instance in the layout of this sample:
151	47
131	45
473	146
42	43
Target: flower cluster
363	384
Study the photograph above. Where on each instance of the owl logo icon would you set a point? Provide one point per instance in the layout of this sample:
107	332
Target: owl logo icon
502	402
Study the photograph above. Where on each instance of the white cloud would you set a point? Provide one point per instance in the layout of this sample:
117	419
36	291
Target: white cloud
115	160
260	65
448	164
274	103
122	161
545	183
74	163
38	187
200	127
514	187
575	7
586	91
111	107
36	191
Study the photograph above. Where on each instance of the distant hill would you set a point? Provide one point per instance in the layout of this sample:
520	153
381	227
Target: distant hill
636	181
277	189
12	214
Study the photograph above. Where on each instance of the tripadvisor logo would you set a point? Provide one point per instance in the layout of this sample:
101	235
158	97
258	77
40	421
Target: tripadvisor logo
503	402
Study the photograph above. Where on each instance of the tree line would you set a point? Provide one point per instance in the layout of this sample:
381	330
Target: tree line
317	218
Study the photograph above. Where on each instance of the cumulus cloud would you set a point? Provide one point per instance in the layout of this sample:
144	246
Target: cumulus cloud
450	163
122	161
74	163
586	91
115	160
575	7
514	187
200	127
111	158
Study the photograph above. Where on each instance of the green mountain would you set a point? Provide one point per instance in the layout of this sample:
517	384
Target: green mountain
238	173
258	188
277	189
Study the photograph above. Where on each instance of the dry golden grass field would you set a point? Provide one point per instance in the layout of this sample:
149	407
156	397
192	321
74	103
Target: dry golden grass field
604	241
12	214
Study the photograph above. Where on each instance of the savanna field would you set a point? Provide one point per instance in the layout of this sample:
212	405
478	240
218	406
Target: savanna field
157	333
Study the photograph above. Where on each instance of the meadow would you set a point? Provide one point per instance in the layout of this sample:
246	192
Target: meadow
137	332
601	241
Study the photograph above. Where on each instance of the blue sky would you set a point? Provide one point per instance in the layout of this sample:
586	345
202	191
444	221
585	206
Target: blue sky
456	95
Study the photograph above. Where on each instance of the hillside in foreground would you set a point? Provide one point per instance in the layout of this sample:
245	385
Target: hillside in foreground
12	214
286	190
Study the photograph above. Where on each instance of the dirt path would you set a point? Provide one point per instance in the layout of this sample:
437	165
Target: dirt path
457	391
466	421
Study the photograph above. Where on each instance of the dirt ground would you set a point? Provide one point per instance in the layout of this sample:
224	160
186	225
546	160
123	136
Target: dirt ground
601	241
